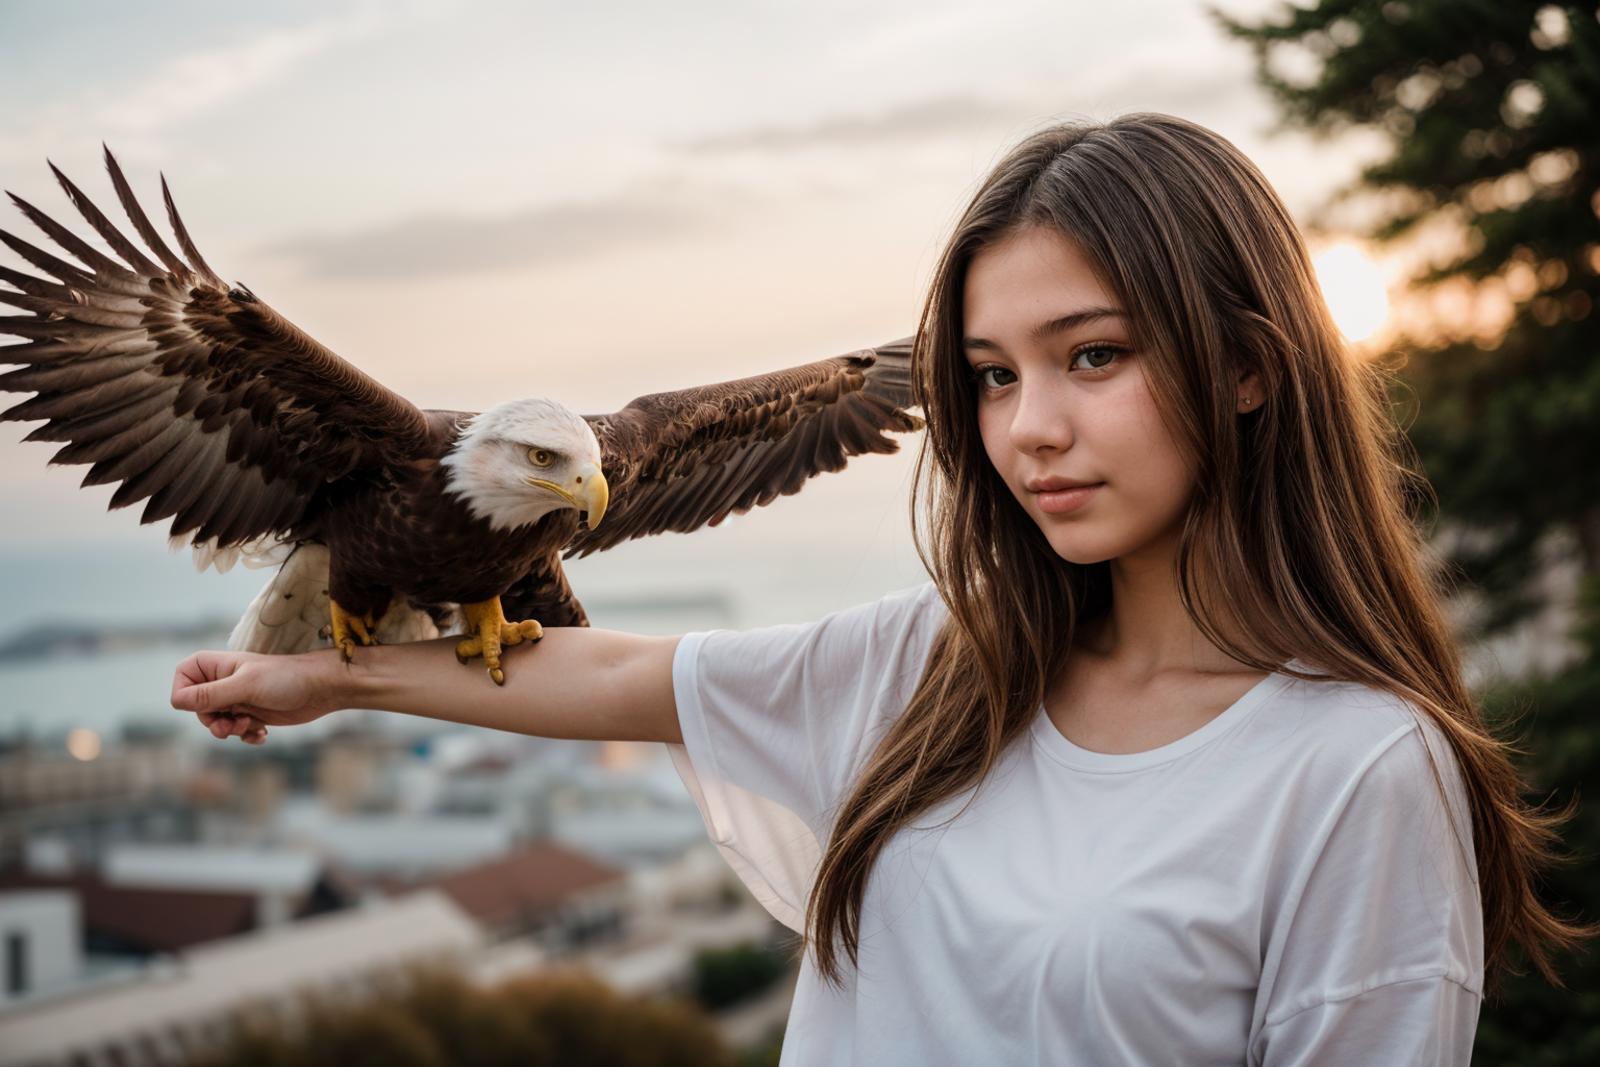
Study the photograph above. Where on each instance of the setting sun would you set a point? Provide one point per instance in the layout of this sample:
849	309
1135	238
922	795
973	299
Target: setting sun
1355	290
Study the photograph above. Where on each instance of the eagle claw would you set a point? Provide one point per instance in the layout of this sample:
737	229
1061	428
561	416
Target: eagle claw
348	630
492	632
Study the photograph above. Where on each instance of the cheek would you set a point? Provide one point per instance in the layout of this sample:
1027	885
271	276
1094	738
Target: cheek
994	426
1153	469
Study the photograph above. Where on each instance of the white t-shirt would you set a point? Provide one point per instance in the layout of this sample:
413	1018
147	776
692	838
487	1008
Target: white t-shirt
1280	886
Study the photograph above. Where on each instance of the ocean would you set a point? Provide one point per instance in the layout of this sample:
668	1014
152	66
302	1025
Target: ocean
758	569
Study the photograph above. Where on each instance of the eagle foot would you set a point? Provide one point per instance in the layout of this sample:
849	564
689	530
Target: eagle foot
491	632
348	630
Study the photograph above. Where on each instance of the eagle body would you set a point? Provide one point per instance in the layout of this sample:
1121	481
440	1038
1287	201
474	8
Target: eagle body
385	521
412	537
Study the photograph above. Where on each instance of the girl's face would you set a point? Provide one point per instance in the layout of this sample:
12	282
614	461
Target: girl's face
1063	400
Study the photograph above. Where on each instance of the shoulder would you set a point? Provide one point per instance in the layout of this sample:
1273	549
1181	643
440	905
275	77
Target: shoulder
1344	720
918	599
915	609
1340	733
1379	874
893	636
907	619
878	634
1365	752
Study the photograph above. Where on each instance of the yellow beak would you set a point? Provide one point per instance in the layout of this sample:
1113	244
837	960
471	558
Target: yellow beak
587	492
594	493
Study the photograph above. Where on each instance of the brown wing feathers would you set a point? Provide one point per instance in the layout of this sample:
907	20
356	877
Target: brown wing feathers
195	395
230	419
679	461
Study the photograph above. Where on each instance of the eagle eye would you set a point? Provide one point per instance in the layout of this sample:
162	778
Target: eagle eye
541	457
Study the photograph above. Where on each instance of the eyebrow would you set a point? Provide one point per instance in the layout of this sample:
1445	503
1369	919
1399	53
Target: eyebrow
1052	327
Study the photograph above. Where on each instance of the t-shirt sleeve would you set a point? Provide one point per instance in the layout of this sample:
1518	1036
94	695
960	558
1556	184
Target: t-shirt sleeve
1380	959
778	721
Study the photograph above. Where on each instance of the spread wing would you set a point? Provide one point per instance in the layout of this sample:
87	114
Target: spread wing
682	460
188	392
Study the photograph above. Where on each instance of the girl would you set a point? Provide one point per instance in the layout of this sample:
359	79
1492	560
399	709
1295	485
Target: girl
1172	761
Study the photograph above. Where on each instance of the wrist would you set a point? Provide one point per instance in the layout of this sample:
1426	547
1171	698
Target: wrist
333	681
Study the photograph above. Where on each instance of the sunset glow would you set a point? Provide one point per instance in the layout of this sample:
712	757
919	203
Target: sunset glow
1354	287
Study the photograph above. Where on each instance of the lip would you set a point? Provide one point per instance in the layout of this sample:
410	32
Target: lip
1070	498
1046	485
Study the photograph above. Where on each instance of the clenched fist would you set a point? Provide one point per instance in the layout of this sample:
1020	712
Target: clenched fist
242	693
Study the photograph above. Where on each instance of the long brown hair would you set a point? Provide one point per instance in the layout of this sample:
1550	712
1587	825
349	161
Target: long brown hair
1304	514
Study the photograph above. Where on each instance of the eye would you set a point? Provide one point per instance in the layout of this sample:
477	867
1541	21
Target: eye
986	376
1108	351
541	457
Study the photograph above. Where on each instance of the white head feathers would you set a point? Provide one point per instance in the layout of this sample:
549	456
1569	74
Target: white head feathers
490	463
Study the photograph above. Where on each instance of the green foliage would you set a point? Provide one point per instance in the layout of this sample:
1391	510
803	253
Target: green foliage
430	1016
1489	107
727	976
766	1052
1531	1024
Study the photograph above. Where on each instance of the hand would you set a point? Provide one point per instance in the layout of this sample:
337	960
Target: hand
244	692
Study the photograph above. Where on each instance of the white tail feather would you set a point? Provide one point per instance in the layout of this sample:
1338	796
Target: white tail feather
267	550
290	614
402	623
291	609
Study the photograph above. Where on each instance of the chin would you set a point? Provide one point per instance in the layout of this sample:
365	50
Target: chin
1082	554
1080	543
1083	543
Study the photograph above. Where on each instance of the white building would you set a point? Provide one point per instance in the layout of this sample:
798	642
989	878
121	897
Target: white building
168	1011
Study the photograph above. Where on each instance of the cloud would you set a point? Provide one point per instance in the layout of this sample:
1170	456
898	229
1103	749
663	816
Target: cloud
422	246
937	117
1173	80
923	32
699	187
201	82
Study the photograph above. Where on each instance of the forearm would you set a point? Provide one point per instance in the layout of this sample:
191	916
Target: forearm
573	683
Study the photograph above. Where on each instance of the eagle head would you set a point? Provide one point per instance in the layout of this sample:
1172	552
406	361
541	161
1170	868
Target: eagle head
516	463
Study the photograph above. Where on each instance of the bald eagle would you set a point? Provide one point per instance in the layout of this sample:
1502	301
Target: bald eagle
385	521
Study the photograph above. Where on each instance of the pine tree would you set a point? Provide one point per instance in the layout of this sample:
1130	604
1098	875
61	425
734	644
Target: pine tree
1489	108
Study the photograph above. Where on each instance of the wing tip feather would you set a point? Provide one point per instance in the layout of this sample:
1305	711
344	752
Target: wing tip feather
196	260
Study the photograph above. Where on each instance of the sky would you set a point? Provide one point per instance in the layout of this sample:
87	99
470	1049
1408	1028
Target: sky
474	202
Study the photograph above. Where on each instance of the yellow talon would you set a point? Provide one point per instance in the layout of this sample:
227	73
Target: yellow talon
349	629
491	633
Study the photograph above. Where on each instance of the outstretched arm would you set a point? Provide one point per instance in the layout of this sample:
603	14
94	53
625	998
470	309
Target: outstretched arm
575	683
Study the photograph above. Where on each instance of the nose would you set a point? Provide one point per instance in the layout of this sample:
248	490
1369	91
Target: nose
1041	421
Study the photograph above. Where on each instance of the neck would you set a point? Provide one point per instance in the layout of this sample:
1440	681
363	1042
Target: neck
1147	632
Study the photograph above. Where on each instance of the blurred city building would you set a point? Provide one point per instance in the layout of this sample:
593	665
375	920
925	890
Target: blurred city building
154	881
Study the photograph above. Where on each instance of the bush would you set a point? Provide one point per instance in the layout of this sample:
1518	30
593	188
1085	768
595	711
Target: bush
432	1016
729	975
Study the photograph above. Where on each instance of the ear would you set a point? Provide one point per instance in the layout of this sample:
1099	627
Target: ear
1249	393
